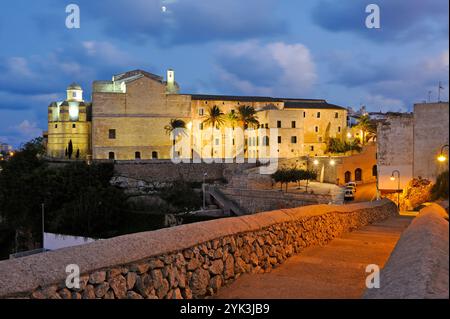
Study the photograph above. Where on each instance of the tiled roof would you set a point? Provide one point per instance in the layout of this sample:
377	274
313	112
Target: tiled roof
311	105
233	98
134	73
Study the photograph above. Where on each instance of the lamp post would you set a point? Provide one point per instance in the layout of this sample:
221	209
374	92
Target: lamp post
204	190
398	186
442	158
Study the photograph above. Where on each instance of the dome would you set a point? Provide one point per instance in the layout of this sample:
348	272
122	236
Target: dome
74	86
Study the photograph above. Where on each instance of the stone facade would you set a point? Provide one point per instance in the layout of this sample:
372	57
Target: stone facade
188	261
411	143
130	113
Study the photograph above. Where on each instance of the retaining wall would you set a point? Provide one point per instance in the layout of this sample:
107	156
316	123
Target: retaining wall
187	261
418	268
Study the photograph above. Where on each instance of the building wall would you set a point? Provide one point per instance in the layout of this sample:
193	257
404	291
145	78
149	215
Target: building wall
431	124
138	118
395	138
366	161
62	129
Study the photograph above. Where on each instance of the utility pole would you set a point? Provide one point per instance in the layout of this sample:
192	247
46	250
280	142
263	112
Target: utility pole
439	91
43	228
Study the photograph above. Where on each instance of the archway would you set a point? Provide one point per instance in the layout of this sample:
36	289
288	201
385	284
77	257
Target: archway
374	171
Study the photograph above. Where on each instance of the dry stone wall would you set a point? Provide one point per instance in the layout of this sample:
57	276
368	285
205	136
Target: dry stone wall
187	261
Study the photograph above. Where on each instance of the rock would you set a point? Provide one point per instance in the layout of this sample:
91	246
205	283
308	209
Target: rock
97	277
240	266
254	259
101	290
157	278
114	272
155	264
188	253
176	294
181	279
133	295
109	295
162	291
199	282
65	293
218	253
131	280
187	293
144	285
216	267
193	264
215	283
172	276
76	295
229	267
119	286
88	292
140	268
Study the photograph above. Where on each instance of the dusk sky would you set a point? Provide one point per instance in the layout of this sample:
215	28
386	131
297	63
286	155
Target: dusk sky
304	49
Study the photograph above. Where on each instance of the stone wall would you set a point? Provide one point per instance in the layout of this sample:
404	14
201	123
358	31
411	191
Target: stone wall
187	261
418	267
166	171
258	200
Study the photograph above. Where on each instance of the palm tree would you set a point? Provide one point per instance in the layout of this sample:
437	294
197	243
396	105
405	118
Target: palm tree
215	118
247	118
232	119
176	127
367	127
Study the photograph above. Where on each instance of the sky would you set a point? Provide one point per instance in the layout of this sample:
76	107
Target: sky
281	48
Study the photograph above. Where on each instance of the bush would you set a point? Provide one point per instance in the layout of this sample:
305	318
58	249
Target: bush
440	189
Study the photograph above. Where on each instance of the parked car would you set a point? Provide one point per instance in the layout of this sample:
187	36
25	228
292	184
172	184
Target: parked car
351	184
352	188
349	194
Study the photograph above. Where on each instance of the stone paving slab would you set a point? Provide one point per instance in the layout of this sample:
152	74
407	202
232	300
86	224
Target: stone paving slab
336	270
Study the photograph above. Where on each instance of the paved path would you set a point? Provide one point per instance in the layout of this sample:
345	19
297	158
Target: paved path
336	270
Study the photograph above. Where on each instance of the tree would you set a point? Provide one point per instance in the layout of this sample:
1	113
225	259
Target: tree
232	119
77	156
215	118
70	149
247	116
367	127
175	127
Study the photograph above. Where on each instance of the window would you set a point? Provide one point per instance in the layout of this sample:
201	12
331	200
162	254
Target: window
200	126
278	124
267	125
320	139
311	148
217	141
111	155
154	155
201	112
137	155
293	124
304	114
74	94
294	139
279	139
56	125
318	115
112	134
74	125
358	175
316	129
374	171
339	129
336	115
265	141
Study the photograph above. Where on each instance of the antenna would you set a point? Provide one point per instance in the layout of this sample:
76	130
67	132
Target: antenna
429	96
439	91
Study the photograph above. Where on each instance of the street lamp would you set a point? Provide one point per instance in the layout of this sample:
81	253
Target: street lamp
204	190
398	186
442	158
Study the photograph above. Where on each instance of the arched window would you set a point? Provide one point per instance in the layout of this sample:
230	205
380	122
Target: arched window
358	175
111	155
374	171
154	155
265	141
137	155
348	176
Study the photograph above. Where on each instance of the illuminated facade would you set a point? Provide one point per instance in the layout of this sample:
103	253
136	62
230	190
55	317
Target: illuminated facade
130	113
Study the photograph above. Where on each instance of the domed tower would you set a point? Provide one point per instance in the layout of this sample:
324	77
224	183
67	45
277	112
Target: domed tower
69	126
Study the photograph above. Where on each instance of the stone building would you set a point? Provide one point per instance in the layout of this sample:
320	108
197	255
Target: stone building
69	121
411	142
128	116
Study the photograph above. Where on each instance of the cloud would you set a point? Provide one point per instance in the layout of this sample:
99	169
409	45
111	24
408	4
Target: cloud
414	20
186	21
254	68
391	82
28	129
